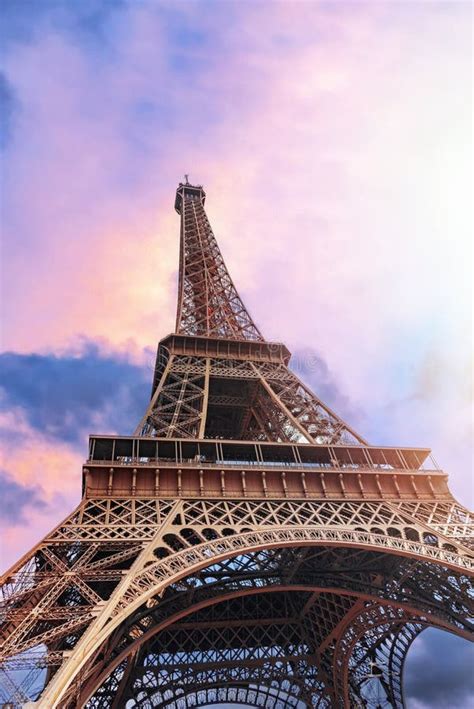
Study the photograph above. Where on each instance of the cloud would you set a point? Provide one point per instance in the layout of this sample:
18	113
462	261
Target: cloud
65	396
449	661
41	483
16	498
24	21
312	369
51	403
8	107
430	404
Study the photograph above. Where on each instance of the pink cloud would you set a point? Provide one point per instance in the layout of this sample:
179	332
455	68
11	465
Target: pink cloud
52	469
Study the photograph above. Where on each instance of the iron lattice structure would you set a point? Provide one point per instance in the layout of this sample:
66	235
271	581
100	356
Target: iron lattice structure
244	546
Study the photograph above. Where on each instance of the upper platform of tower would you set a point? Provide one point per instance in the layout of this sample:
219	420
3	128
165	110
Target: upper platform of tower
187	190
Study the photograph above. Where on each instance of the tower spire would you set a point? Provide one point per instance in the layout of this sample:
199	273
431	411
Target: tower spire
255	396
208	302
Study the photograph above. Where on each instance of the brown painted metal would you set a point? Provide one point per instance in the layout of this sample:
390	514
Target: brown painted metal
245	545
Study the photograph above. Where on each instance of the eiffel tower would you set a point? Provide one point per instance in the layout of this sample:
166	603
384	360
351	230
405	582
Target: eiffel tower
245	546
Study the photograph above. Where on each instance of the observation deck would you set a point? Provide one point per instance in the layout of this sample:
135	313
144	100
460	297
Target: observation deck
177	467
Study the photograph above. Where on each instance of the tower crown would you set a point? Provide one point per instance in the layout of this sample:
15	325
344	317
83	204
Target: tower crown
186	190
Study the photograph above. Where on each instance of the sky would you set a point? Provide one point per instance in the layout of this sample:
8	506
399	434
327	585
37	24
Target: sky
334	143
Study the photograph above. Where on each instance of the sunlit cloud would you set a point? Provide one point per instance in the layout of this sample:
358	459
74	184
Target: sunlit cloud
43	478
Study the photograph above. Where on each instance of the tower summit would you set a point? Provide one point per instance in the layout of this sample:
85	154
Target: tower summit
190	191
245	546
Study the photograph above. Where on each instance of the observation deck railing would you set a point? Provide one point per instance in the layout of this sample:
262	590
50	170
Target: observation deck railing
203	453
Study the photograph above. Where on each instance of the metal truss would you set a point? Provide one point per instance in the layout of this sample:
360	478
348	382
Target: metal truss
448	518
91	590
199	397
278	605
245	546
